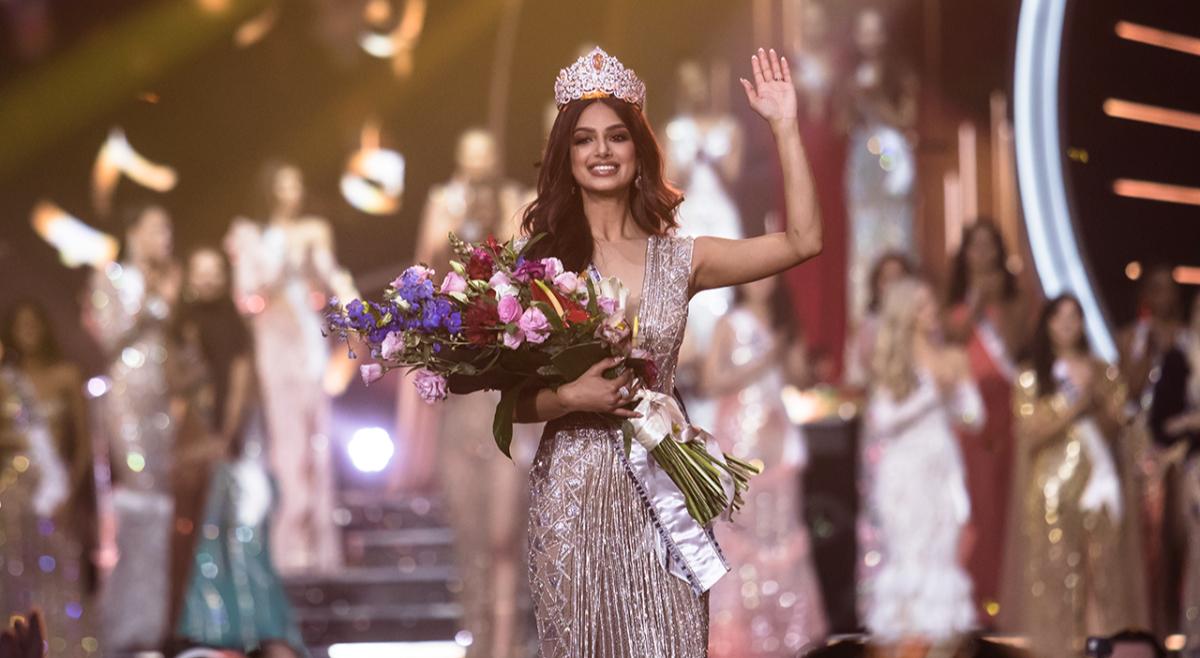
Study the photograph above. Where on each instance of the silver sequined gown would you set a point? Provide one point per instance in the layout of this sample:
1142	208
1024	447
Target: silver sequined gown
598	586
130	323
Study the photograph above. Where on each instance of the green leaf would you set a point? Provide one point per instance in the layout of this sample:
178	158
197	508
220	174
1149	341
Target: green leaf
551	315
530	242
627	431
575	360
502	422
593	304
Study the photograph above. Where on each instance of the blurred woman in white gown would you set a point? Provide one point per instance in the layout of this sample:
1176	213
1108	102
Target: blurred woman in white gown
704	156
284	271
922	390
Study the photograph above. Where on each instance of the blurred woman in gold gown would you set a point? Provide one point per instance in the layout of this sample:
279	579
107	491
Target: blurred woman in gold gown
484	492
1073	560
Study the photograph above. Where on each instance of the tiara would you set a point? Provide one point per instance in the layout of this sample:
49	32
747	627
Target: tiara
598	75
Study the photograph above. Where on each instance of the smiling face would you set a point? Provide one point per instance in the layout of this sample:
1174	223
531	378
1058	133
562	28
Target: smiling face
926	311
603	158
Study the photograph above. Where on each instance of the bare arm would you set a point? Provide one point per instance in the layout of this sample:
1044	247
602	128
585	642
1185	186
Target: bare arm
717	262
591	393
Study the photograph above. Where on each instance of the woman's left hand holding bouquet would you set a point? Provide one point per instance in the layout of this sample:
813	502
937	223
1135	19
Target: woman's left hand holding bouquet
591	392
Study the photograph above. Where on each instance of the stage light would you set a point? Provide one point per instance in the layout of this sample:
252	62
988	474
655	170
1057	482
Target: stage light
1040	159
394	649
97	386
1160	38
1188	276
1159	116
1133	271
374	177
1152	191
76	242
370	449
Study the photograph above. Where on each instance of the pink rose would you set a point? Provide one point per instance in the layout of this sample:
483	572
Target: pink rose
513	340
509	309
430	386
568	283
453	283
553	266
502	285
534	325
392	345
370	372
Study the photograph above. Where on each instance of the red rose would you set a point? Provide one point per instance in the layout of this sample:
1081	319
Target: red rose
481	320
480	266
647	369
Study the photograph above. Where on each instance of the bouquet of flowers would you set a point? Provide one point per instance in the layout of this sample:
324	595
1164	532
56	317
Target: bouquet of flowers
500	320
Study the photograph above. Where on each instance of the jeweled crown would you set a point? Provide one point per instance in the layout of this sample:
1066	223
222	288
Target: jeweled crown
598	75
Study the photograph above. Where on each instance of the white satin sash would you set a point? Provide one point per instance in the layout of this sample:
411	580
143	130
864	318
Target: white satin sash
686	549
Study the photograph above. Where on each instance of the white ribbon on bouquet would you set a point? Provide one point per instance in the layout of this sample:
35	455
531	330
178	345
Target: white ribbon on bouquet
688	551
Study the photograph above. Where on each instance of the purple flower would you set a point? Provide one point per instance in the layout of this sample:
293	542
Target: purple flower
528	270
392	345
534	325
415	284
431	386
371	372
453	283
509	309
608	305
434	314
359	316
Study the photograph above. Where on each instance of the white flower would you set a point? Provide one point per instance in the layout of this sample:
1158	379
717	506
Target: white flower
612	289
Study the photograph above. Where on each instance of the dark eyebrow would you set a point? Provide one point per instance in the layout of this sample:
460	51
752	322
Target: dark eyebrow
615	126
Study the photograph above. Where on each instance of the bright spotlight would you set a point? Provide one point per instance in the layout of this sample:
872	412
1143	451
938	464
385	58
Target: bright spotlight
370	449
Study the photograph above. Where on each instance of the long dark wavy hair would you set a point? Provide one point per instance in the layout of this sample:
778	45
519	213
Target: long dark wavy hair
558	209
959	275
1041	348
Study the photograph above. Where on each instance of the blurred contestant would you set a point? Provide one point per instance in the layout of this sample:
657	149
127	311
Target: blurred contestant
988	316
1174	419
230	595
921	392
704	157
1073	560
41	564
880	162
283	273
485	493
129	308
57	386
771	604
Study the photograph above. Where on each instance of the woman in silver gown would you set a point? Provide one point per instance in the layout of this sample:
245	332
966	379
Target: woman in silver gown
128	309
601	566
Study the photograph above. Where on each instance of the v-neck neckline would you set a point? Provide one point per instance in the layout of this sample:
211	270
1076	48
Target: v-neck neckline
598	276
